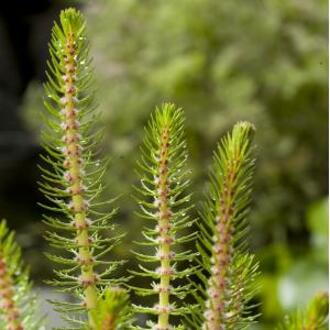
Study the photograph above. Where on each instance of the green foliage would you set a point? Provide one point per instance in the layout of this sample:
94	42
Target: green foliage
314	318
72	176
164	204
18	304
227	74
228	272
112	310
224	61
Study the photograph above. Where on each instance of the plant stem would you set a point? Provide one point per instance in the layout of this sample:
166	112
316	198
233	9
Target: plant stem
74	165
165	240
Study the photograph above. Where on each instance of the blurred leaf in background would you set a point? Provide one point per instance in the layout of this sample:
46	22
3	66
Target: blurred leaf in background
297	273
308	274
263	61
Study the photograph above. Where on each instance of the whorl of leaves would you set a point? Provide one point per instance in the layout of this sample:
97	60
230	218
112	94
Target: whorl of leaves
18	306
164	205
227	271
72	176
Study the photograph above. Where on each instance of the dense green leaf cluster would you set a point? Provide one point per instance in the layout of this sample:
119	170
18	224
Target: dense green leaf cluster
112	310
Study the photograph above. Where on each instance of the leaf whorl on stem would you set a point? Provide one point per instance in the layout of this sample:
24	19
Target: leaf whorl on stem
164	180
230	270
73	179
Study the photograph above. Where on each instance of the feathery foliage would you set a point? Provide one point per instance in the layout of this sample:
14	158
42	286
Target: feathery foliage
227	270
82	234
18	306
72	175
164	205
314	318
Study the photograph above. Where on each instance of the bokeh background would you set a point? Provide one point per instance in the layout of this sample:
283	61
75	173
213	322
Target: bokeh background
222	61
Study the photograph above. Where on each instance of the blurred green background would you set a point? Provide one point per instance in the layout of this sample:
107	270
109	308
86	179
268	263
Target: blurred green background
222	61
